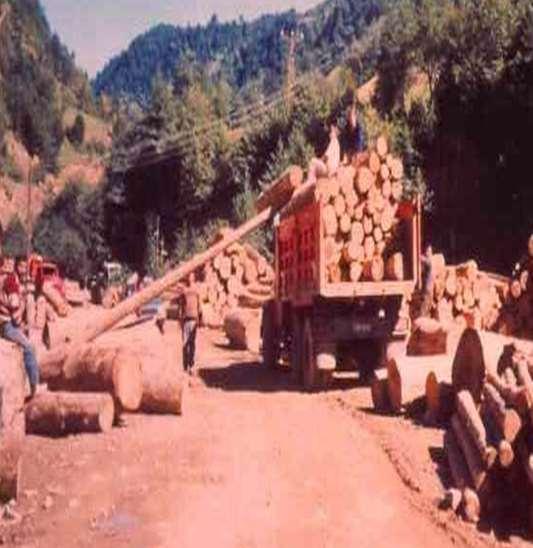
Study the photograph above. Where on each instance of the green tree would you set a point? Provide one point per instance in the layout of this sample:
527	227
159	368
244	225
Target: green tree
15	238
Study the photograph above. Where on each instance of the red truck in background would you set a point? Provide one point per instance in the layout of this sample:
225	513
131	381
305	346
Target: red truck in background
43	271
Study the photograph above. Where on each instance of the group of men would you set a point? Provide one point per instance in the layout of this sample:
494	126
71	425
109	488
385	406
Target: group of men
16	293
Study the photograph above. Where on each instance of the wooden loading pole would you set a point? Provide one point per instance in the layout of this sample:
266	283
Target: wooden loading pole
272	200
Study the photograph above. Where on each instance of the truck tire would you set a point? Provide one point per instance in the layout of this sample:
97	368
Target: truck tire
270	338
296	349
311	374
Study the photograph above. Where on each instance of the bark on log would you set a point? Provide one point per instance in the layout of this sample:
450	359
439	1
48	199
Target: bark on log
276	194
243	330
507	420
428	338
103	368
475	465
467	411
62	413
468	370
162	385
516	397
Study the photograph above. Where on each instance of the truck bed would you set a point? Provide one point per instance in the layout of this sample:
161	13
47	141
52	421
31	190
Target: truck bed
301	265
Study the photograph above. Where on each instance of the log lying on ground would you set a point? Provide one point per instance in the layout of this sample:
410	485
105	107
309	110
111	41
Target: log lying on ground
163	385
61	413
471	418
243	329
379	391
507	420
468	369
103	368
440	399
475	466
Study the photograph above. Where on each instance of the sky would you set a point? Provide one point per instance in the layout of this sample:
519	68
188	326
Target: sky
96	30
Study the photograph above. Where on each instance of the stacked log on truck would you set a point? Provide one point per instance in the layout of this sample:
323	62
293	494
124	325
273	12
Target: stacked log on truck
361	218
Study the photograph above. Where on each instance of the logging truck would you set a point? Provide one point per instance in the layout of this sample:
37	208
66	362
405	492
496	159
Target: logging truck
328	311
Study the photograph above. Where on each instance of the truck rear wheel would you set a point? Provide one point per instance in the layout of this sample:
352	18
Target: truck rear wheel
270	337
296	348
311	374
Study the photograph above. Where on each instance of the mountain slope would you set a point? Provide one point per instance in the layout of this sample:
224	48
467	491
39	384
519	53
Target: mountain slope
38	79
241	52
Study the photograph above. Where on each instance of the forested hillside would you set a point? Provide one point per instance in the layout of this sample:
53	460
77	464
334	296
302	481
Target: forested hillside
38	80
244	54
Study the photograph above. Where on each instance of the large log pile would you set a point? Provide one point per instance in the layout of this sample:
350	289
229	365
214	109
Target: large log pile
489	445
465	296
361	218
238	277
517	313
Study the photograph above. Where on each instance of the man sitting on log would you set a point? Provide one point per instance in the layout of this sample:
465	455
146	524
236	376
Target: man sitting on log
12	308
189	307
327	165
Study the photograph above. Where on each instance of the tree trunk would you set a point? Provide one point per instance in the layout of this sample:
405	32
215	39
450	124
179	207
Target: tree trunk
429	338
243	329
475	465
103	368
62	413
507	420
468	370
466	409
162	385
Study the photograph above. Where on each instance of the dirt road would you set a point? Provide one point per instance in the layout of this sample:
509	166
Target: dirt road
252	463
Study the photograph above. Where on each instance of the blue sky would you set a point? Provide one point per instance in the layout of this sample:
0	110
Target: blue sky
98	29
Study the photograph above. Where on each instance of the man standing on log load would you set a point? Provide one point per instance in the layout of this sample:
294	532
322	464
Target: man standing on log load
355	142
328	164
12	308
189	312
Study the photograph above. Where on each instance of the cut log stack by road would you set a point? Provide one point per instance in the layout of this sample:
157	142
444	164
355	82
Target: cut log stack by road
360	218
466	296
489	445
517	314
240	277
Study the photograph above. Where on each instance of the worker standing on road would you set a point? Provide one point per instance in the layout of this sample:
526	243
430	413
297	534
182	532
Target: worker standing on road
427	282
12	308
189	308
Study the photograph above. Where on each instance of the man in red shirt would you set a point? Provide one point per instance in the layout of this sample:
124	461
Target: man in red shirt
12	307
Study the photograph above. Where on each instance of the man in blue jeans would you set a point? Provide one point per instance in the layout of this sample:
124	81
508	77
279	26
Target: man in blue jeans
12	307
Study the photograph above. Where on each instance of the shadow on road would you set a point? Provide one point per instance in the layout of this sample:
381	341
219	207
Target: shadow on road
251	376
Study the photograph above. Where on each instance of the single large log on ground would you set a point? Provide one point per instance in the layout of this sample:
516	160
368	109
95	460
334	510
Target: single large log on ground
162	384
471	418
475	465
61	413
243	329
468	369
104	368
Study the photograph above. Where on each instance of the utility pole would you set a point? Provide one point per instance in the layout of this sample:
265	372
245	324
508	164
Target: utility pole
291	37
